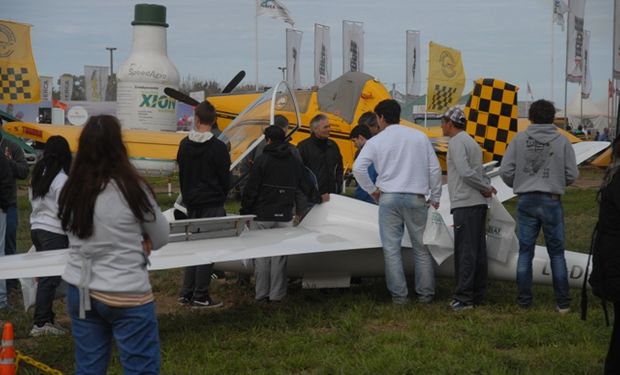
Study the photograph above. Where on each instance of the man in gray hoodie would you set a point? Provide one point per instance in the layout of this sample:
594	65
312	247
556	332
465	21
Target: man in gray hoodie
538	164
469	189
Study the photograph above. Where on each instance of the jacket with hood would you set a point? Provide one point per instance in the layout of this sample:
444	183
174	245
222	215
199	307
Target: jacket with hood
539	159
323	158
6	183
18	165
274	179
204	170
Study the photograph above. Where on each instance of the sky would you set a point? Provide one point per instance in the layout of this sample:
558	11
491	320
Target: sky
213	40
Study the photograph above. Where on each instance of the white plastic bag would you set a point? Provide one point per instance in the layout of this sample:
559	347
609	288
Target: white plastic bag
437	237
501	238
29	287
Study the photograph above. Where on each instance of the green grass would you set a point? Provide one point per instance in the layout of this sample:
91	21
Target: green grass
356	331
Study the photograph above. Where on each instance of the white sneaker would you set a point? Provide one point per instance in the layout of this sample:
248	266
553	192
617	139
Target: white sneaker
48	329
563	311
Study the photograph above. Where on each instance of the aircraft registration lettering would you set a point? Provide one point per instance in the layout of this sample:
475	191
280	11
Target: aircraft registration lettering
576	271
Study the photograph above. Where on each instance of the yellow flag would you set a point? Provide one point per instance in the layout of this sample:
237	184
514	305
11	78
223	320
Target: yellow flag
19	81
446	78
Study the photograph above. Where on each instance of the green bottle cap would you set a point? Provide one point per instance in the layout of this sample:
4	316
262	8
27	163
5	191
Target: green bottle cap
149	14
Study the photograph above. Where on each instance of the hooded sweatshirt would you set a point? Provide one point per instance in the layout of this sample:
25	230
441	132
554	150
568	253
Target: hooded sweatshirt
274	179
204	170
539	159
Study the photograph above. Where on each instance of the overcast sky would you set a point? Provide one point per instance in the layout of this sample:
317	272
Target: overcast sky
506	39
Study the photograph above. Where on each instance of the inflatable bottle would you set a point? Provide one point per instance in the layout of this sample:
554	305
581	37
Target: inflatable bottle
142	78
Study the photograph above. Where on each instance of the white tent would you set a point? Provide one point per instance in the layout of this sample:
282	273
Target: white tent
593	115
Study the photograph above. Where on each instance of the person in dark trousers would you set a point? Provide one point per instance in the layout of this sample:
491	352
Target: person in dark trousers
605	277
6	179
19	171
469	189
539	164
270	194
322	156
204	176
48	177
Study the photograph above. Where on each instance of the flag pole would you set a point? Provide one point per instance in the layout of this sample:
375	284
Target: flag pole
566	70
256	42
552	48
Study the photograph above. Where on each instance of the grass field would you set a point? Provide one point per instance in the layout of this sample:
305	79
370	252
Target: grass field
358	330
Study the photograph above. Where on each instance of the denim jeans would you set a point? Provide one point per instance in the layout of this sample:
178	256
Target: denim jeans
536	210
46	288
397	210
4	303
133	328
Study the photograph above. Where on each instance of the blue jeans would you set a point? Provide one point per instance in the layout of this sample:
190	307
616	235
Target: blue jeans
133	328
536	210
397	210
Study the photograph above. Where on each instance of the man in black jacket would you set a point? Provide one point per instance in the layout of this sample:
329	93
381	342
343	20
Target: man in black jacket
322	156
204	176
6	179
270	194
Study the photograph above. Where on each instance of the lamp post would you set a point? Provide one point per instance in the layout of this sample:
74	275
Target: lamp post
283	69
111	49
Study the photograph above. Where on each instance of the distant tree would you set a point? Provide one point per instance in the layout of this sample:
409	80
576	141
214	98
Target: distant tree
212	87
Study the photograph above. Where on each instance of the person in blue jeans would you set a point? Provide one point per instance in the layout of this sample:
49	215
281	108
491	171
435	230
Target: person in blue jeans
408	171
359	136
538	164
5	196
113	222
48	177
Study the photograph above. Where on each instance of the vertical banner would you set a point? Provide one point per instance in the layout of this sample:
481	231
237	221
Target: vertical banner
586	82
352	46
559	9
446	78
414	82
293	57
322	55
66	87
616	51
96	78
19	81
47	84
574	61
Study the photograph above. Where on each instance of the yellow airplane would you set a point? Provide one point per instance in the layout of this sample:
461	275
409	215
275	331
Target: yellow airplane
343	101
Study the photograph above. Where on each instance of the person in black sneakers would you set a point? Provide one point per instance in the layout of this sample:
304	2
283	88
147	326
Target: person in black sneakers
322	156
204	176
605	278
270	194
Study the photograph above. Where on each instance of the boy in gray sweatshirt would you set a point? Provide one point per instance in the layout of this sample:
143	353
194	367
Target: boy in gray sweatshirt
538	164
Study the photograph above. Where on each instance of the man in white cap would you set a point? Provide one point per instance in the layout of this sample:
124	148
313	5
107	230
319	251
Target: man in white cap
468	187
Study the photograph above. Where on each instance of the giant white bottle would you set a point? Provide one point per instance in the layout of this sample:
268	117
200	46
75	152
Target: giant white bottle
141	102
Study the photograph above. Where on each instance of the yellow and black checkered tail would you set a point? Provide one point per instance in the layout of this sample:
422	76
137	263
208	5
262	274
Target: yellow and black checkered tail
491	114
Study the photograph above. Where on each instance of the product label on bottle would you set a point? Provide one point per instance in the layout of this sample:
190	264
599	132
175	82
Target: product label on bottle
144	105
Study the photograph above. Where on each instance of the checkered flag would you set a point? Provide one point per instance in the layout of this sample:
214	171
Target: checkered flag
14	84
442	97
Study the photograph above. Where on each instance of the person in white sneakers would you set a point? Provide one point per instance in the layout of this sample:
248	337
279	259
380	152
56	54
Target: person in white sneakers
48	177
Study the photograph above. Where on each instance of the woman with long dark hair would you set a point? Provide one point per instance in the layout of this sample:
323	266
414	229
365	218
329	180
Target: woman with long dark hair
48	177
605	278
113	223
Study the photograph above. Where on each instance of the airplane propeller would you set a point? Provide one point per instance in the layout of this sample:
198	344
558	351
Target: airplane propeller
178	95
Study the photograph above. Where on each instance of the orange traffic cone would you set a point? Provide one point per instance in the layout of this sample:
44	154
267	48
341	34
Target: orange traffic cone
7	352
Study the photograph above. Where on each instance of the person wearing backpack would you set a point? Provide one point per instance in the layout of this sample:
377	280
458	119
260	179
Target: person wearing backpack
605	277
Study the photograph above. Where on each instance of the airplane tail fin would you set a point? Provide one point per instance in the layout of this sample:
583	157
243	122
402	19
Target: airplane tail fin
491	114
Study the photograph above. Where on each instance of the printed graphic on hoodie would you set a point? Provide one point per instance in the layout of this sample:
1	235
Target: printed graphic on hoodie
537	157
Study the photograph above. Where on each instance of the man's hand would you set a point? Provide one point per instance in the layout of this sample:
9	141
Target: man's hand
325	197
376	195
489	193
435	205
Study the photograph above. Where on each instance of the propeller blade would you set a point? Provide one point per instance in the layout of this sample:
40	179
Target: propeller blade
178	95
234	82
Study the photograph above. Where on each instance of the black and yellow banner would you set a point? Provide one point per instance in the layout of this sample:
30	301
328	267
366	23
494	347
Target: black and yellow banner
19	81
446	78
